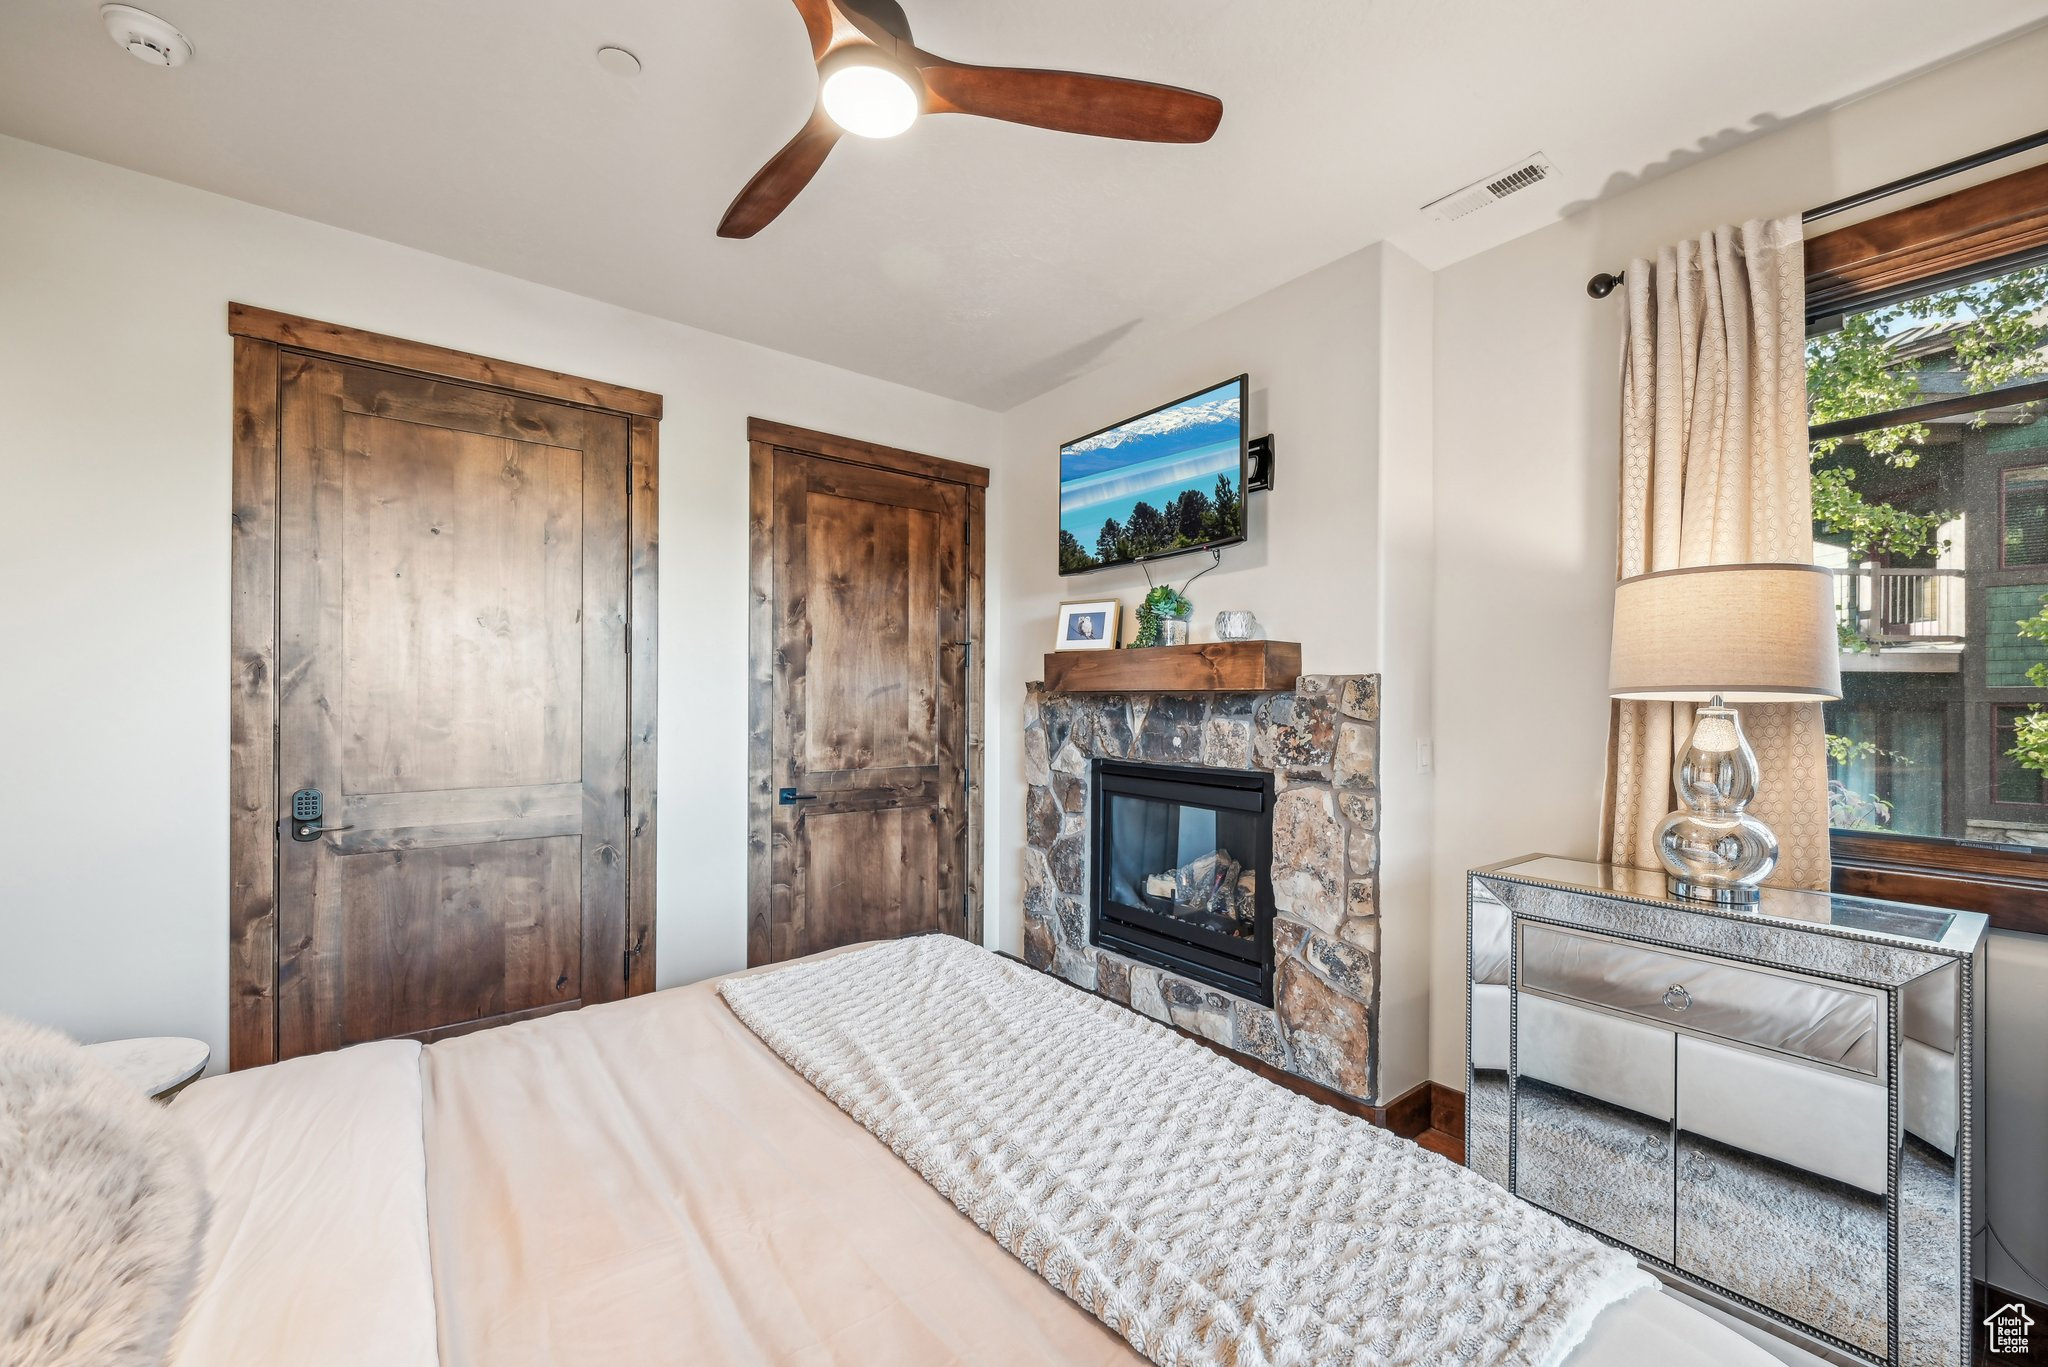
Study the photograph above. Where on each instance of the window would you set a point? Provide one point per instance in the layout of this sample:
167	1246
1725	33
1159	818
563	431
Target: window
1928	404
2023	516
1942	629
2012	781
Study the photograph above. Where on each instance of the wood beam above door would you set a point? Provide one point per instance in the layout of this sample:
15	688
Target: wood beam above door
865	453
374	348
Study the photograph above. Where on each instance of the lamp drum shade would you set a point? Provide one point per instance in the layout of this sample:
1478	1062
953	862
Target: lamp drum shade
1744	633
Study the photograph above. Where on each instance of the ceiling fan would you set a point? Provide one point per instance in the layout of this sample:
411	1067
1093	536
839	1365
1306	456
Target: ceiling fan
874	82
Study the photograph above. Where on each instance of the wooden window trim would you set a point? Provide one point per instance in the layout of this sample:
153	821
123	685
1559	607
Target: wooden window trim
1971	231
260	338
1951	238
2002	882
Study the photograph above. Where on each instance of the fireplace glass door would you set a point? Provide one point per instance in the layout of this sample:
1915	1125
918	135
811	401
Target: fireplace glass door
1181	860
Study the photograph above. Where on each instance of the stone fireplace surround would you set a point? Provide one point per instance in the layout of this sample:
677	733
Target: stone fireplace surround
1321	743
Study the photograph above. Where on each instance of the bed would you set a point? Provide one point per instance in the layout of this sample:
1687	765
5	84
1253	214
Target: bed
642	1182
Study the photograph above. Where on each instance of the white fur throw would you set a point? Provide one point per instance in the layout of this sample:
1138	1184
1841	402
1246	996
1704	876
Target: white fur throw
102	1207
1205	1214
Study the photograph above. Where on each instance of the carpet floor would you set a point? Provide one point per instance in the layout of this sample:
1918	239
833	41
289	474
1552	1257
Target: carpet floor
1805	1245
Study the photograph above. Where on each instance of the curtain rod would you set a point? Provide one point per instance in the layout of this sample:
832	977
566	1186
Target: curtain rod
1603	284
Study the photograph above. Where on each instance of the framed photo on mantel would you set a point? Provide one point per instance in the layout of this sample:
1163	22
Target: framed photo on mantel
1090	624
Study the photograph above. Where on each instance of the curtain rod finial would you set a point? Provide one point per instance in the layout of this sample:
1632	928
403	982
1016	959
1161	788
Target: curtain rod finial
1602	285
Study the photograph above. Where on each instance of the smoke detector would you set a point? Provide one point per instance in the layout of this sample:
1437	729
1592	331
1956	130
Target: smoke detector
145	37
1531	170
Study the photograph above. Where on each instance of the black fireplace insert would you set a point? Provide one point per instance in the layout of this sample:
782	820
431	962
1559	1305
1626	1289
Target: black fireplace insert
1181	861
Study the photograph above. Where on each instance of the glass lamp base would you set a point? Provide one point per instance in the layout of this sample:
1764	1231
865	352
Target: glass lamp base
1713	859
1713	850
1738	895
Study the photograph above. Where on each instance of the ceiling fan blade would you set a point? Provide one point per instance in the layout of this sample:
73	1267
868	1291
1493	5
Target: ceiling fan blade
1070	101
779	182
819	23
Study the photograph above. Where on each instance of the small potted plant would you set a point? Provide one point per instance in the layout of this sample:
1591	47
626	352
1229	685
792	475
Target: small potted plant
1163	617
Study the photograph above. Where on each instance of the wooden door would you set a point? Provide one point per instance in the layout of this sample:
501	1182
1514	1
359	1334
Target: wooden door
453	573
869	590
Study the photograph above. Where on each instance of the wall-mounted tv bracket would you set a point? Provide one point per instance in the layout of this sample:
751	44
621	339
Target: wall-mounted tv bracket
1260	476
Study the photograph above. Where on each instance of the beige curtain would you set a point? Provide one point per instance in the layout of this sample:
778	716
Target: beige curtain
1714	472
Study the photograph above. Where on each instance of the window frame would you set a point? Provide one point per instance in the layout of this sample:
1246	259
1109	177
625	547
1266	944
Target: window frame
2005	517
1998	739
1981	230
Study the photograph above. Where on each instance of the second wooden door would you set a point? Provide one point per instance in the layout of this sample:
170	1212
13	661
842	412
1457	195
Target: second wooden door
862	800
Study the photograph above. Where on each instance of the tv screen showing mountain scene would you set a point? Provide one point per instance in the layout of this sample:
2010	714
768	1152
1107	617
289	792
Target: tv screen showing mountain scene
1167	481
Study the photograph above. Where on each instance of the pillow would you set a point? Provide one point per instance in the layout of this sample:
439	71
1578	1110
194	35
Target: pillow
102	1208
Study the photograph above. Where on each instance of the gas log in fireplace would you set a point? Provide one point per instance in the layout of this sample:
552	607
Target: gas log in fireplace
1180	860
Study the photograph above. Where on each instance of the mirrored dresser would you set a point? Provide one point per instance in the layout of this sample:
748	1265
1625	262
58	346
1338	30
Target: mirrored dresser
1774	1105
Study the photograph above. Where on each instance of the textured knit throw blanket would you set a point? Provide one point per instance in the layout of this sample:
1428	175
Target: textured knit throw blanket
1203	1213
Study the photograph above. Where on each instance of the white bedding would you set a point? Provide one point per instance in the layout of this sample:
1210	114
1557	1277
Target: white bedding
316	1255
1135	1170
319	1250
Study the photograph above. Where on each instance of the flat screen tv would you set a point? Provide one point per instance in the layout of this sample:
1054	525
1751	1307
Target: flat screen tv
1166	482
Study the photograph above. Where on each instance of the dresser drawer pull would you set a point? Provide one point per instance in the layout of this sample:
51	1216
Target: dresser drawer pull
1676	997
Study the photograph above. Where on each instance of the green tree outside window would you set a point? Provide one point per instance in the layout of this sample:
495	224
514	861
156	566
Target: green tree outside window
1998	335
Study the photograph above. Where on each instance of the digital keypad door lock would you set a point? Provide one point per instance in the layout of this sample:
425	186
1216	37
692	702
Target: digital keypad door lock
307	815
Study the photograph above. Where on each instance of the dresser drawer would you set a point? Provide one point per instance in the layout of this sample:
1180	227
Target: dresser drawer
1823	1022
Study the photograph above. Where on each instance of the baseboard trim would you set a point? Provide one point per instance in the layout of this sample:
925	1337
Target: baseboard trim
1407	1114
1447	1110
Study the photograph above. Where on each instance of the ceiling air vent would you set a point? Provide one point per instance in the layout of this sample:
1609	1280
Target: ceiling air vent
1498	186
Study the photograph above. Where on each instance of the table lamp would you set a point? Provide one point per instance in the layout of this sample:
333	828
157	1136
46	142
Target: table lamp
1722	634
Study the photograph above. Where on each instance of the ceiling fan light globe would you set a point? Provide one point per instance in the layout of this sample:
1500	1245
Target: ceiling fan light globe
870	100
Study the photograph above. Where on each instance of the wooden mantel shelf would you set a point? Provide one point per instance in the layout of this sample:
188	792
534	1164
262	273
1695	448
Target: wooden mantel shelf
1212	667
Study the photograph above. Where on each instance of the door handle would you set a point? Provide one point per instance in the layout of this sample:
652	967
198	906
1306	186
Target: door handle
789	797
309	811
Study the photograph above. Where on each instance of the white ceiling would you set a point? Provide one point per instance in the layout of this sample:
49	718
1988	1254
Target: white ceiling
972	259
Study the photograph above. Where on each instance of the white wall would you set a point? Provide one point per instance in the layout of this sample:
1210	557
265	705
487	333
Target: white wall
1312	570
1527	392
114	386
1406	550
